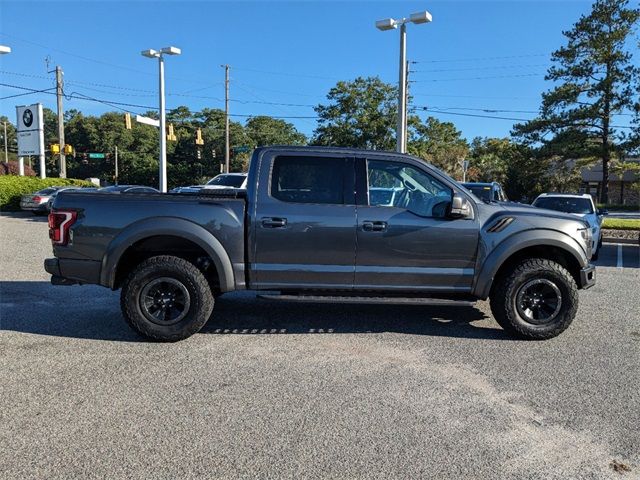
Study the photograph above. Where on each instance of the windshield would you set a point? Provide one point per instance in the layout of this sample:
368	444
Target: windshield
483	192
565	204
235	181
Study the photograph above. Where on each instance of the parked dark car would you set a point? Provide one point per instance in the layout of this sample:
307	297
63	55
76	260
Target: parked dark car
489	192
128	189
318	223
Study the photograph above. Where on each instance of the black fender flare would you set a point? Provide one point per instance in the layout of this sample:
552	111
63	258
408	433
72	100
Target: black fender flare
519	241
172	226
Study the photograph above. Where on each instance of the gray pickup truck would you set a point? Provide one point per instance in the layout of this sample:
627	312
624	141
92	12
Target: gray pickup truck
323	223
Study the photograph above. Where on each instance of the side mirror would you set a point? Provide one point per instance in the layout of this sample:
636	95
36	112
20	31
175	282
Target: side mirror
460	207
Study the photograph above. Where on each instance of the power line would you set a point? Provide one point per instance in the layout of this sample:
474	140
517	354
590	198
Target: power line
478	59
30	92
496	67
493	116
479	78
286	74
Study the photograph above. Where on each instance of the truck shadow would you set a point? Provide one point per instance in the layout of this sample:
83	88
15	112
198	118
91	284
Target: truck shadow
91	312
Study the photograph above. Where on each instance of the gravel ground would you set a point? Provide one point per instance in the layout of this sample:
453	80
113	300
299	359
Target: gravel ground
290	390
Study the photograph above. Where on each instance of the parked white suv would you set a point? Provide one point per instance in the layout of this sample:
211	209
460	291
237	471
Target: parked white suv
578	204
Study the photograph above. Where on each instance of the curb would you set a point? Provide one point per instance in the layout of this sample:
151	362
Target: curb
630	241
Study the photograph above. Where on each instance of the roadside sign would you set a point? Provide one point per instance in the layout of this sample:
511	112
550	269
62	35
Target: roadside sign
147	121
30	130
241	149
97	155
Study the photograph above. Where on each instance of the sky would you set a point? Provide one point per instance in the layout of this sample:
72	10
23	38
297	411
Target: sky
477	58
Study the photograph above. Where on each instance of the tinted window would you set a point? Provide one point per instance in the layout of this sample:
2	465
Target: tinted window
235	181
45	191
480	191
565	204
404	186
308	180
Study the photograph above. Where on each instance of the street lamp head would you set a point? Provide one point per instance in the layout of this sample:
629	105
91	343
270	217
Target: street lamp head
386	24
150	53
171	51
420	17
4	49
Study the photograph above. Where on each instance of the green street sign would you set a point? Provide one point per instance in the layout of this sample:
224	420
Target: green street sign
96	155
241	149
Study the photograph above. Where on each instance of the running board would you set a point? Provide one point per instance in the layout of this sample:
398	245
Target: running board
371	300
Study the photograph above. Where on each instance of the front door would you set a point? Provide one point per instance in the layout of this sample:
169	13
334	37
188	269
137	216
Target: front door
405	240
305	227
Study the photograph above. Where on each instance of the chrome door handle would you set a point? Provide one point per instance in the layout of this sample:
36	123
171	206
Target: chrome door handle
374	226
272	222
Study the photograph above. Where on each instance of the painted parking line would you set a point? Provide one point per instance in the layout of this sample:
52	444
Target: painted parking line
619	265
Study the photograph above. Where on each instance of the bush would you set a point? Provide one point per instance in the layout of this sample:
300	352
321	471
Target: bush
12	187
12	168
619	208
621	223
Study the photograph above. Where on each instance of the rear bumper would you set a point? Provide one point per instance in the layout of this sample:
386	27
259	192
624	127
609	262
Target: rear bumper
67	271
588	276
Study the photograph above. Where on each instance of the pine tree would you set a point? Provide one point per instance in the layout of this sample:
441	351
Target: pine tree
595	79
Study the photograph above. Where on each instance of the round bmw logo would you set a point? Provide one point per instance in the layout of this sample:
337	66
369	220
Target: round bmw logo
27	117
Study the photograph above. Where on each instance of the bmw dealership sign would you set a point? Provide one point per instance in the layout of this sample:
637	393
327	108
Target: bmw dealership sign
30	130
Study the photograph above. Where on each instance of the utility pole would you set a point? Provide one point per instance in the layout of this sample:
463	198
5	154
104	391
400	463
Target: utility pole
406	106
226	118
6	151
63	157
116	161
401	142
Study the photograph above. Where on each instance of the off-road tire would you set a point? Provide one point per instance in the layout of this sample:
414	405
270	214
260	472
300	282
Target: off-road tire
165	266
504	294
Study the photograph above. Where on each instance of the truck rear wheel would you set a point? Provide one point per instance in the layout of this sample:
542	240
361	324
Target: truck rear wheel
166	299
537	299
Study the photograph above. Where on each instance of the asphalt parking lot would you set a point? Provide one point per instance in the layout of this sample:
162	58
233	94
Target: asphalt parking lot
290	390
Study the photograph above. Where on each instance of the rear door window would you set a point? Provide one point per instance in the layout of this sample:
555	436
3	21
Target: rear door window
308	180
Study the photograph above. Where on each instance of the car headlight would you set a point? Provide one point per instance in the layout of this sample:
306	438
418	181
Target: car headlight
587	236
594	229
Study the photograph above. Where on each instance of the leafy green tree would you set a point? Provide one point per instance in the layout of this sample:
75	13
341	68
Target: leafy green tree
359	113
488	159
263	130
594	77
12	141
439	143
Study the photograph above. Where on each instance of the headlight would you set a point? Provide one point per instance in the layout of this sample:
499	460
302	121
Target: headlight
587	236
594	229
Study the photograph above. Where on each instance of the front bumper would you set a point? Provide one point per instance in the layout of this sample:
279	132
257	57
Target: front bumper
588	276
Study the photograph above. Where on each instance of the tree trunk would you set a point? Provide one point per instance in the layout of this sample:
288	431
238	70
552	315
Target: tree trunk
606	150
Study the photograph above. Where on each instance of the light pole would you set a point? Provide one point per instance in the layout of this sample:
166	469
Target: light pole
3	50
163	129
392	24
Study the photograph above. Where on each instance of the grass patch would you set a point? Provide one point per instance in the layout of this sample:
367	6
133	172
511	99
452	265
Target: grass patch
621	223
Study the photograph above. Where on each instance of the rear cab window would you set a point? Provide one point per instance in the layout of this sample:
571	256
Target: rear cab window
318	180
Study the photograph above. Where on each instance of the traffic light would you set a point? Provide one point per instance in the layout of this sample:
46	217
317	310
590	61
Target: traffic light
68	149
55	148
199	154
171	136
199	140
127	121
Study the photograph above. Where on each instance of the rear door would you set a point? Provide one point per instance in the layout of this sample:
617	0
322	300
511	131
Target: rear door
405	241
304	226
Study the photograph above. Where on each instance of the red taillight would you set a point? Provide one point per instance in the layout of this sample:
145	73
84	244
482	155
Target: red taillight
37	199
59	223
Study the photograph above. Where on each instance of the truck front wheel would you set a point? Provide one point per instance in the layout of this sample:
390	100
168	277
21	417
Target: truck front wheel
536	299
166	298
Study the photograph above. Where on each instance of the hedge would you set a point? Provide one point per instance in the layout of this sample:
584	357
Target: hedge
12	187
621	223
